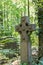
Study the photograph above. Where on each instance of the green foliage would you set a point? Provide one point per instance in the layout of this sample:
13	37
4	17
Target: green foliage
10	18
39	3
10	15
9	53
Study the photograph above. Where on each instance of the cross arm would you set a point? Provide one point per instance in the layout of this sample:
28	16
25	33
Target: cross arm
18	29
30	27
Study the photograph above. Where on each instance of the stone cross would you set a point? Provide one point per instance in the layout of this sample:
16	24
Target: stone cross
24	28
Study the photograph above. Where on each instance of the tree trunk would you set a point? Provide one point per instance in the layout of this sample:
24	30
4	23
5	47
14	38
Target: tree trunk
40	21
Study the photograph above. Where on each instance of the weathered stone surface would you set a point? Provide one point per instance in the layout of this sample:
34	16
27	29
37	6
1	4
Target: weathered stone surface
25	28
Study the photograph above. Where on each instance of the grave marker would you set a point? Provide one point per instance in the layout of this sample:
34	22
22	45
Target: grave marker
25	28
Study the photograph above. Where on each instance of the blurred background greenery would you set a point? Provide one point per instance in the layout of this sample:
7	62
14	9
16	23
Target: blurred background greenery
10	16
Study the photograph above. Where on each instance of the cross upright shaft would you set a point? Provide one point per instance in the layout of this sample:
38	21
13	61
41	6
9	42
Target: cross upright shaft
24	29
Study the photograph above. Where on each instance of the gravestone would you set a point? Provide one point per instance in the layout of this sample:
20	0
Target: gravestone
24	28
